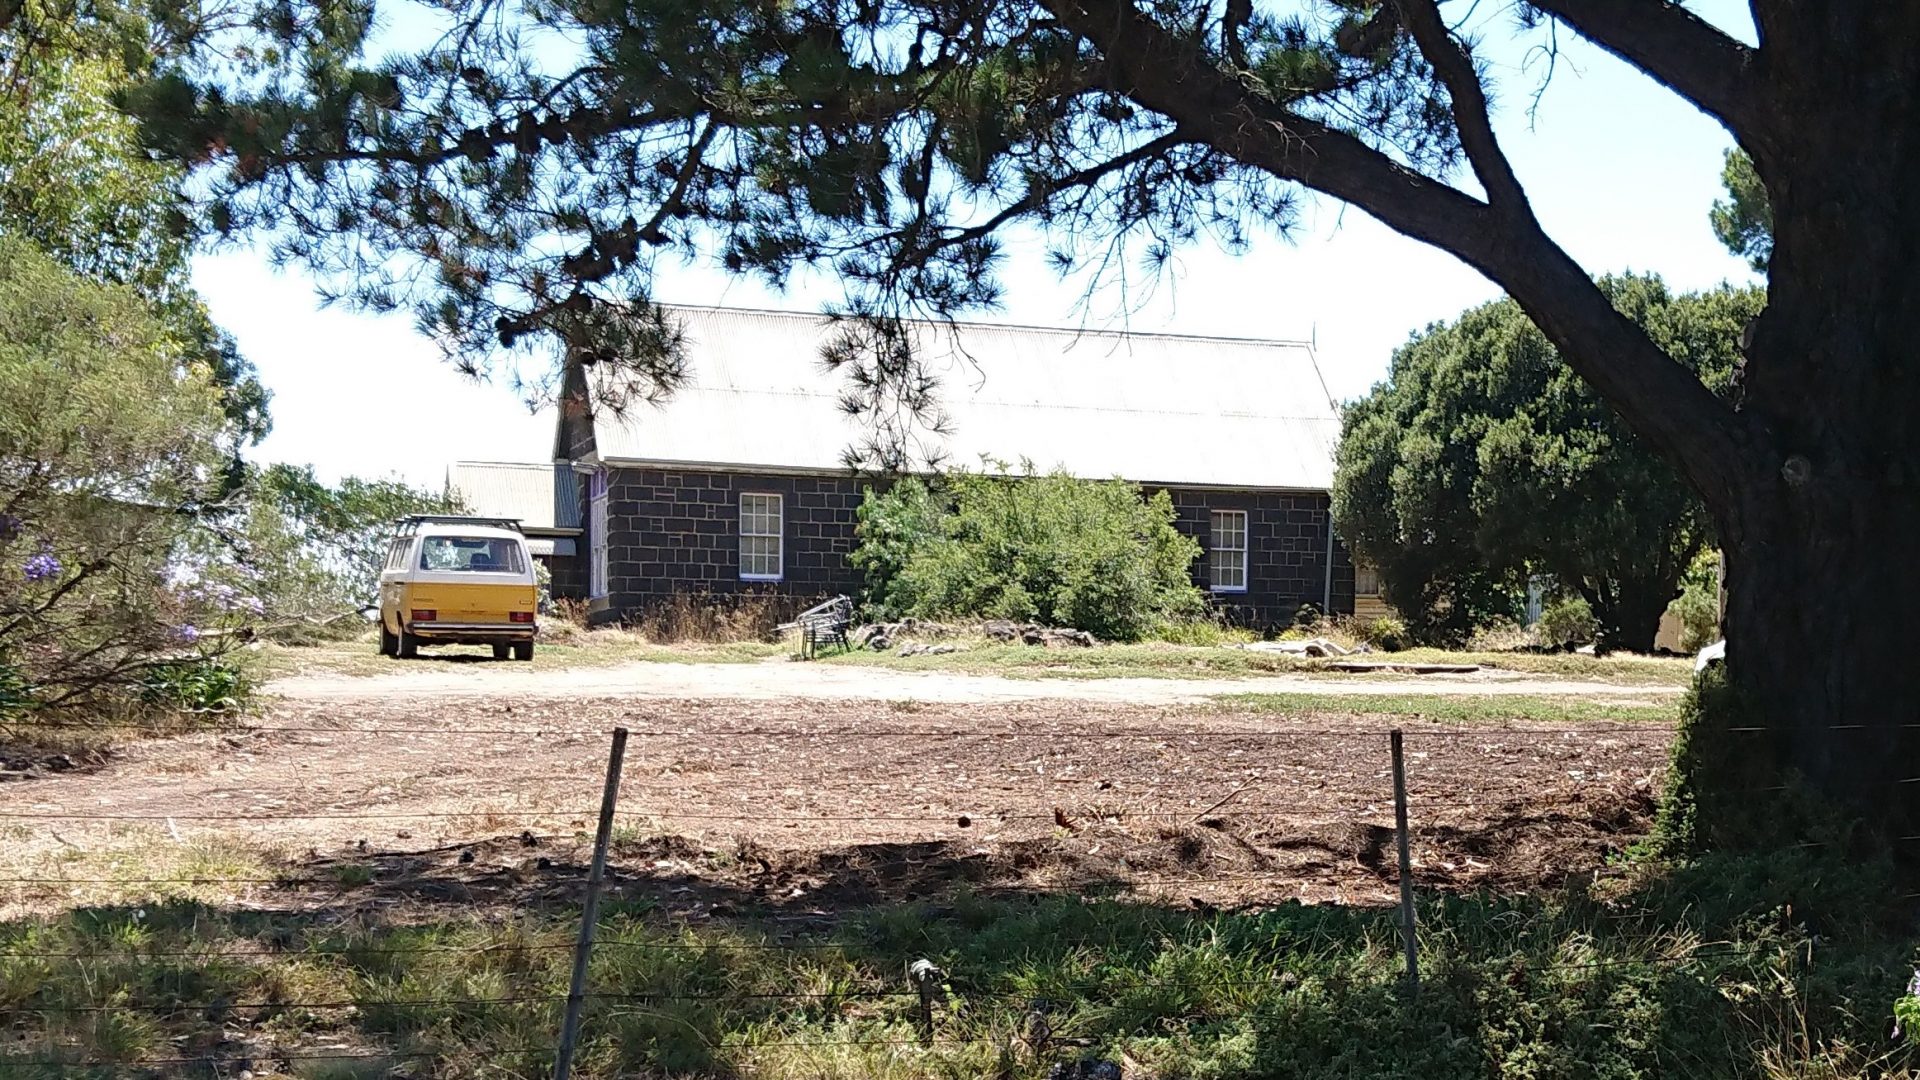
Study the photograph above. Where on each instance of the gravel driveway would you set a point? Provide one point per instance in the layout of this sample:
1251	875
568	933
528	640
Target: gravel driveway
786	680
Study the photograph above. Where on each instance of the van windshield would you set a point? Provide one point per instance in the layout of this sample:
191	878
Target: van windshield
484	554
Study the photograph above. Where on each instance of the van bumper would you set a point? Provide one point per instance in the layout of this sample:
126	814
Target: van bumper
457	633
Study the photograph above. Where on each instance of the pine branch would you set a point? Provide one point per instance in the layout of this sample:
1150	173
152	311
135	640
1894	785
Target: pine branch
1661	399
1677	48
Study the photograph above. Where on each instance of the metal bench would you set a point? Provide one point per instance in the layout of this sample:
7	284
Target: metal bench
822	623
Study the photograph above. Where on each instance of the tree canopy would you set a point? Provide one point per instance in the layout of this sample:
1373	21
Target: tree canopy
1744	219
315	549
514	193
76	182
1483	460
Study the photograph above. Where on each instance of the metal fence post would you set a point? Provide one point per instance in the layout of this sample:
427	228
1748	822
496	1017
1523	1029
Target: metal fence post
590	913
1406	864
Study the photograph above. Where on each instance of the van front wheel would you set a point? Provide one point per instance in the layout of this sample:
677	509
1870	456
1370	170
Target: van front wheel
499	650
523	650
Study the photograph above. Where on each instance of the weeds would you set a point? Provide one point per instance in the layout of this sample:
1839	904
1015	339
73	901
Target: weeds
1460	709
976	655
1200	632
1147	660
714	618
202	685
1687	970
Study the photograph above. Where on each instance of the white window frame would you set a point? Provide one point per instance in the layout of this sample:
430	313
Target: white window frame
599	581
779	536
1215	549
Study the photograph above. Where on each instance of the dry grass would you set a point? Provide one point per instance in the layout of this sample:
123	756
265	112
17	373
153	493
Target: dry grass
564	646
560	649
1159	660
715	618
1623	668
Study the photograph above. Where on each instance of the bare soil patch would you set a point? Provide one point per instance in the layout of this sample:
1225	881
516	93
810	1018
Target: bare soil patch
412	803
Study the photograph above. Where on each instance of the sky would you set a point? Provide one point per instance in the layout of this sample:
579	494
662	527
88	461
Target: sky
1620	172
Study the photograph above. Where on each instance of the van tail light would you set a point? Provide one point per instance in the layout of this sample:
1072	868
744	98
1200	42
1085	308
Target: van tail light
521	616
425	615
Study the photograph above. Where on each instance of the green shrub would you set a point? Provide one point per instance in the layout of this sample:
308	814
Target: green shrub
1567	622
16	693
543	585
197	686
1698	605
893	525
1387	633
98	573
1052	548
1907	1011
1201	632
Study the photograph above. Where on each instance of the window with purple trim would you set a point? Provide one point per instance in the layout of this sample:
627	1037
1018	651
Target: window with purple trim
597	538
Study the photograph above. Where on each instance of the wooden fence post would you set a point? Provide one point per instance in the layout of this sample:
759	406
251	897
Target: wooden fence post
590	913
1406	864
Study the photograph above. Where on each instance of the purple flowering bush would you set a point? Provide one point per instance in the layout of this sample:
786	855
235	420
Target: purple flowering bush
103	596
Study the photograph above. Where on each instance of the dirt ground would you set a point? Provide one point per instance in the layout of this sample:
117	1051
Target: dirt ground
477	787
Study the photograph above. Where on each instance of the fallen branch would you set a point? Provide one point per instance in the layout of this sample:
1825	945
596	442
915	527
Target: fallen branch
1229	797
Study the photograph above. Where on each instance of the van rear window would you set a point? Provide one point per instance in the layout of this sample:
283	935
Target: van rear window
479	554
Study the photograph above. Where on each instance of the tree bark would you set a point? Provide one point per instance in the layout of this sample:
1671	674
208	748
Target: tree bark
1632	623
1820	572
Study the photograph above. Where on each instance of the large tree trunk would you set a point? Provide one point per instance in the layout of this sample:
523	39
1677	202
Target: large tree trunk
1632	622
1824	672
1821	575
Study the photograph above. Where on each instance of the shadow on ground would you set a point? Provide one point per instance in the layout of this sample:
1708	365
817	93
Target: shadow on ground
748	962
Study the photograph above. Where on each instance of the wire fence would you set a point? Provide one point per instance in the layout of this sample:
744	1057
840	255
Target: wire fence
1411	833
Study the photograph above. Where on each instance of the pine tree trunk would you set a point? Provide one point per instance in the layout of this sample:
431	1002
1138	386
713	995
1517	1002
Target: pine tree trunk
1823	666
1821	572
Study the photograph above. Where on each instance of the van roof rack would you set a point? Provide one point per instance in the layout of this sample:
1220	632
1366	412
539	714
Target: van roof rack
459	519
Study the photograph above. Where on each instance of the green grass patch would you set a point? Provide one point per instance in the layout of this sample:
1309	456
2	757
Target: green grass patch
1461	708
1146	660
1709	970
1164	660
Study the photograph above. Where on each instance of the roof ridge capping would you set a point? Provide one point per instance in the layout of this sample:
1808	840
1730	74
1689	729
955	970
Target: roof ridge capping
505	464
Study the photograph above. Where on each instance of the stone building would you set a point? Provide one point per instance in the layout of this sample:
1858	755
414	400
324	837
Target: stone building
740	483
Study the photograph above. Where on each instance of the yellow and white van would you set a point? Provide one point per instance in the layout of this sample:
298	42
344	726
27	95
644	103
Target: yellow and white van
458	581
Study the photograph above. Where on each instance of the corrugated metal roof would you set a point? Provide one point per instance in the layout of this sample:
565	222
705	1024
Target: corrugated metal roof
1154	408
540	496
